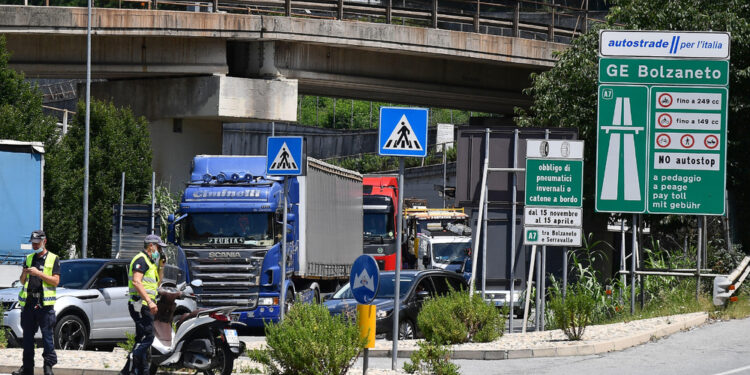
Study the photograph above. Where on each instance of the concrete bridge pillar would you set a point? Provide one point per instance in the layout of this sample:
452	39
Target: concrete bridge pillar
186	114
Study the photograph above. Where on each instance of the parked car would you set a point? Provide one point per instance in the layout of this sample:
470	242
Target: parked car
414	288
92	305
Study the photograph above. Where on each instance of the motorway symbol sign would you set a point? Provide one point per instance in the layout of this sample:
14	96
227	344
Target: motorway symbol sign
403	132
364	279
621	149
284	156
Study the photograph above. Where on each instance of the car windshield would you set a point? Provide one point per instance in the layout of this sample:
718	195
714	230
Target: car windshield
75	275
228	229
453	252
385	289
378	224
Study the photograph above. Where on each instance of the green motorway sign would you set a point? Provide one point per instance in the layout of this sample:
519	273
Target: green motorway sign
662	71
621	149
555	183
673	85
687	153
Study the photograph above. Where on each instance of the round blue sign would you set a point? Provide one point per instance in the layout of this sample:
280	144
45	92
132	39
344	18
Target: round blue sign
364	279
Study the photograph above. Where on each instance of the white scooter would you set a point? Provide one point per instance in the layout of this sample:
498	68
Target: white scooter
204	339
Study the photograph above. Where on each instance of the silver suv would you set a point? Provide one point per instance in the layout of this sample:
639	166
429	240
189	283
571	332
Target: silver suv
91	304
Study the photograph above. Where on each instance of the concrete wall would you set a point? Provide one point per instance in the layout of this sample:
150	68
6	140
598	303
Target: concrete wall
174	151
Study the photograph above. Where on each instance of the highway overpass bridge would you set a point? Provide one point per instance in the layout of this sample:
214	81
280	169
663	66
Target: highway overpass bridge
188	72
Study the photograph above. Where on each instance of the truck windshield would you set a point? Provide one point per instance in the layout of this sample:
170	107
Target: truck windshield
228	229
378	224
454	252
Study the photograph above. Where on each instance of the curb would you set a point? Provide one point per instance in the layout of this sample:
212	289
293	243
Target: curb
62	371
564	351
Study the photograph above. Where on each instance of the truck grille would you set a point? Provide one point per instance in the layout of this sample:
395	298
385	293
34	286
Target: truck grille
227	281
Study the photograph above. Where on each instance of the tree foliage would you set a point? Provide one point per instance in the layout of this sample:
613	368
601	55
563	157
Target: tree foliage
566	94
21	116
119	142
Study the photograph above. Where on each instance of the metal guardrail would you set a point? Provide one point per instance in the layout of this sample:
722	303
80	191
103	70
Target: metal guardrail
543	20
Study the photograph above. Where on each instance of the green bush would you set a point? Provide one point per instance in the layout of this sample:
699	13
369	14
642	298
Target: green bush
128	344
458	318
3	340
431	359
574	313
309	342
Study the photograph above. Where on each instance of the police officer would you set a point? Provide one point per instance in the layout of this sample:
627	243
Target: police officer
143	280
40	276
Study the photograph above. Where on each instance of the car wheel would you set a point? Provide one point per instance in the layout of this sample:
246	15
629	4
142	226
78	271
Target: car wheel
71	333
406	330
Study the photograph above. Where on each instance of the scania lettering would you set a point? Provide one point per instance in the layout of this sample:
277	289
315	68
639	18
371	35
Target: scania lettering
229	226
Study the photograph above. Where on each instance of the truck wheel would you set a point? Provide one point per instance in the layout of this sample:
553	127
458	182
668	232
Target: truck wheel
289	300
71	333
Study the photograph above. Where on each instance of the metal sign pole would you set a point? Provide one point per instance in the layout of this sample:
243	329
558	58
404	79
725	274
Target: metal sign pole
397	282
282	302
698	258
513	232
632	265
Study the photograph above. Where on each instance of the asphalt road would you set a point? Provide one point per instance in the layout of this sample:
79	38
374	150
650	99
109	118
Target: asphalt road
721	348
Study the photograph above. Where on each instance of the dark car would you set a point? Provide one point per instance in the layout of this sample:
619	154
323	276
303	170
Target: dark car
415	287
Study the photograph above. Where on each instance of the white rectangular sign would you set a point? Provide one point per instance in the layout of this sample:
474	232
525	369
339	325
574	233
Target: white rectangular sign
688	100
686	161
554	149
713	45
444	137
687	121
564	217
552	236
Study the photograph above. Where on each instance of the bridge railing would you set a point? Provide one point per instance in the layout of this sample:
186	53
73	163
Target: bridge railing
550	20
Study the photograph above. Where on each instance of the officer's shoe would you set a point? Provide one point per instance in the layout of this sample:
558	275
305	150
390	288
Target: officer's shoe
48	370
18	372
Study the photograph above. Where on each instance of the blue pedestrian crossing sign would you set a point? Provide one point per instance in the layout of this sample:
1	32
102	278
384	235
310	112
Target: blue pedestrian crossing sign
403	132
364	279
284	156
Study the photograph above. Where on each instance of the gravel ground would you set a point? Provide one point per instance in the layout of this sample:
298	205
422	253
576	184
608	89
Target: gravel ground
530	340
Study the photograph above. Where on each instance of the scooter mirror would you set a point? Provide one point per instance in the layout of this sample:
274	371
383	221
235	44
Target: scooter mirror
197	283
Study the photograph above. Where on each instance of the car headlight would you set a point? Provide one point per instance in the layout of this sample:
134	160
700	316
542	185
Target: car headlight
380	314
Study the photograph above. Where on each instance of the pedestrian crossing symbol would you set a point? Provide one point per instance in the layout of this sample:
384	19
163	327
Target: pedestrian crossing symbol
284	156
621	141
402	137
403	131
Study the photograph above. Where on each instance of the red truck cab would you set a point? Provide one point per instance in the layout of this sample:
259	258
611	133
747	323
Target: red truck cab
380	201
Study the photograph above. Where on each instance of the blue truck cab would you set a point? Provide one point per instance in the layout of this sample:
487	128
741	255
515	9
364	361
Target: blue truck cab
229	228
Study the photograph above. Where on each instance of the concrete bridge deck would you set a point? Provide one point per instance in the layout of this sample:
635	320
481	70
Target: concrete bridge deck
423	66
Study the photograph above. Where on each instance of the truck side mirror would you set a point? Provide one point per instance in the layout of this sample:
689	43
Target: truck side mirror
170	218
290	217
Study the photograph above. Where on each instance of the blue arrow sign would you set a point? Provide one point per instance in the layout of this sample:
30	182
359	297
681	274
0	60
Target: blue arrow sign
403	132
364	279
284	156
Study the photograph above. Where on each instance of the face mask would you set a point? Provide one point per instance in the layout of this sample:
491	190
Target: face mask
155	256
39	250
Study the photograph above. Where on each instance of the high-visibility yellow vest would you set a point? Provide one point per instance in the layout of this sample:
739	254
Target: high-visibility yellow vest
150	280
49	291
